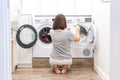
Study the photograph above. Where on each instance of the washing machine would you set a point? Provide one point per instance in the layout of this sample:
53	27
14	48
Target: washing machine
36	36
43	46
85	47
24	55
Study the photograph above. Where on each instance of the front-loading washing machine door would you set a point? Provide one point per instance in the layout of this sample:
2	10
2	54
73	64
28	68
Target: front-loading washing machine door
83	31
44	36
83	34
26	36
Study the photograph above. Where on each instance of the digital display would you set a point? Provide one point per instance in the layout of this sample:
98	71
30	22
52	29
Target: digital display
88	19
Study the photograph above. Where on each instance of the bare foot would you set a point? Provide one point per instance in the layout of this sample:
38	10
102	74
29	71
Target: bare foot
57	71
64	69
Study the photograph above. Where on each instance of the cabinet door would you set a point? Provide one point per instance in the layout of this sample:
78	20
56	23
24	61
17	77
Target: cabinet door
41	7
29	6
53	7
83	7
66	7
47	7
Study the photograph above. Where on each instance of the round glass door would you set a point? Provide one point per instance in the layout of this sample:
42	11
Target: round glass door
83	37
44	36
83	34
26	36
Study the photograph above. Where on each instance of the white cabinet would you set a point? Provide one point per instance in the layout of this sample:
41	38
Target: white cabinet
66	7
29	6
53	7
47	7
74	7
41	7
83	7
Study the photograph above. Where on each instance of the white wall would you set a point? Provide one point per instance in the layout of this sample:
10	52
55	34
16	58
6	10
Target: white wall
115	40
5	66
101	17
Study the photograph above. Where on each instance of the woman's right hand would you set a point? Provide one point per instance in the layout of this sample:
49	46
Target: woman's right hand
77	37
78	28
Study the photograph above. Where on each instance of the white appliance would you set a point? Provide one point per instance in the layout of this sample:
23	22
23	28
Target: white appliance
43	46
84	48
21	55
37	35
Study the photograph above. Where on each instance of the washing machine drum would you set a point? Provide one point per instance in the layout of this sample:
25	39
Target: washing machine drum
26	36
83	34
44	35
83	31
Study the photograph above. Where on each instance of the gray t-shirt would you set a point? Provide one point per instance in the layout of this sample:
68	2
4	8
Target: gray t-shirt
61	40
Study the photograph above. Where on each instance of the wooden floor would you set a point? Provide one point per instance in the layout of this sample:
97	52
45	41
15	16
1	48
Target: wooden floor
47	74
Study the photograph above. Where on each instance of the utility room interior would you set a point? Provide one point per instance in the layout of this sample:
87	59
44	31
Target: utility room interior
30	52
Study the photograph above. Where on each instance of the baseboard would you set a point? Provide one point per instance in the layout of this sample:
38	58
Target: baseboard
14	68
24	66
77	63
101	73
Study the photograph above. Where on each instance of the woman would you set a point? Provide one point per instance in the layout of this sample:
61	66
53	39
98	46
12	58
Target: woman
61	39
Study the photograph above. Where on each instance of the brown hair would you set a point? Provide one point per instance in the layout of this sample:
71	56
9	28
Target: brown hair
59	22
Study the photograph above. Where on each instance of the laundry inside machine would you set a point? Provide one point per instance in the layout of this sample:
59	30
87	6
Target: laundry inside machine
44	35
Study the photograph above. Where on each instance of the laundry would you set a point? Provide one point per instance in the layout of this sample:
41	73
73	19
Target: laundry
46	39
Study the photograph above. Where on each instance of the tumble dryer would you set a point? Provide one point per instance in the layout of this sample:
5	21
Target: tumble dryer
85	47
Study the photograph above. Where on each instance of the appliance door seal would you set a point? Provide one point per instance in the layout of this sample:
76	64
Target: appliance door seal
26	36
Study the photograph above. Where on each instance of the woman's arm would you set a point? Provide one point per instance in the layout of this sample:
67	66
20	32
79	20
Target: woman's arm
77	36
